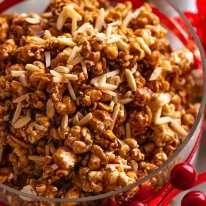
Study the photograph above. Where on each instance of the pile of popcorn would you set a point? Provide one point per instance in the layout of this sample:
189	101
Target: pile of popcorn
92	97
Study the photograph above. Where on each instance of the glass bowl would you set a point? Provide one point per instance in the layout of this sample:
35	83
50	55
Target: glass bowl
155	184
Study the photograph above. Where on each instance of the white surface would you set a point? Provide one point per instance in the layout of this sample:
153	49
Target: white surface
30	6
185	4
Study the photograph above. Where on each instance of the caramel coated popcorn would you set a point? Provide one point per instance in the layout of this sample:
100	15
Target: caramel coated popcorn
92	98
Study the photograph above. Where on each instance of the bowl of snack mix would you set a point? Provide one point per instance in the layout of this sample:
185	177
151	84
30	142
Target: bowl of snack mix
99	100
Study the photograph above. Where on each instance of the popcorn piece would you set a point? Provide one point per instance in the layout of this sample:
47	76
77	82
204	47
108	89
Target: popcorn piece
64	158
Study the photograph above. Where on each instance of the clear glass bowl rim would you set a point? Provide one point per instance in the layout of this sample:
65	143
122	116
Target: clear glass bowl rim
155	172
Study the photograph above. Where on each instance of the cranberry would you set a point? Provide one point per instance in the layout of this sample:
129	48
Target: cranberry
183	176
137	203
2	204
195	198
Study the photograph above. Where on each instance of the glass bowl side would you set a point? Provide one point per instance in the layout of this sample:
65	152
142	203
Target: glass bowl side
156	180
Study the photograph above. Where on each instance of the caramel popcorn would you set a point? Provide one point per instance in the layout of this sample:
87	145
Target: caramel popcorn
92	98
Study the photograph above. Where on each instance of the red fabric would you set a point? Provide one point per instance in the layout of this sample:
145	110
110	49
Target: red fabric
8	3
201	6
135	3
198	20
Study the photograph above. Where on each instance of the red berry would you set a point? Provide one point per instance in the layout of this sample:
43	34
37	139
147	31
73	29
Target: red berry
137	203
183	176
195	198
2	204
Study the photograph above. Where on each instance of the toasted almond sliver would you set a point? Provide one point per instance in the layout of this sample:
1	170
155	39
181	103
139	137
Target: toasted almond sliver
125	101
122	45
62	69
76	60
178	128
100	20
68	12
143	45
18	73
38	126
21	98
134	69
95	81
56	74
114	39
61	20
115	114
163	120
85	119
71	91
112	74
58	80
23	80
109	31
83	28
114	94
114	166
74	25
65	41
48	58
76	119
33	20
130	79
74	53
110	28
65	121
22	122
131	16
156	74
100	81
19	142
101	36
71	77
17	113
32	67
157	115
84	69
35	40
106	86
